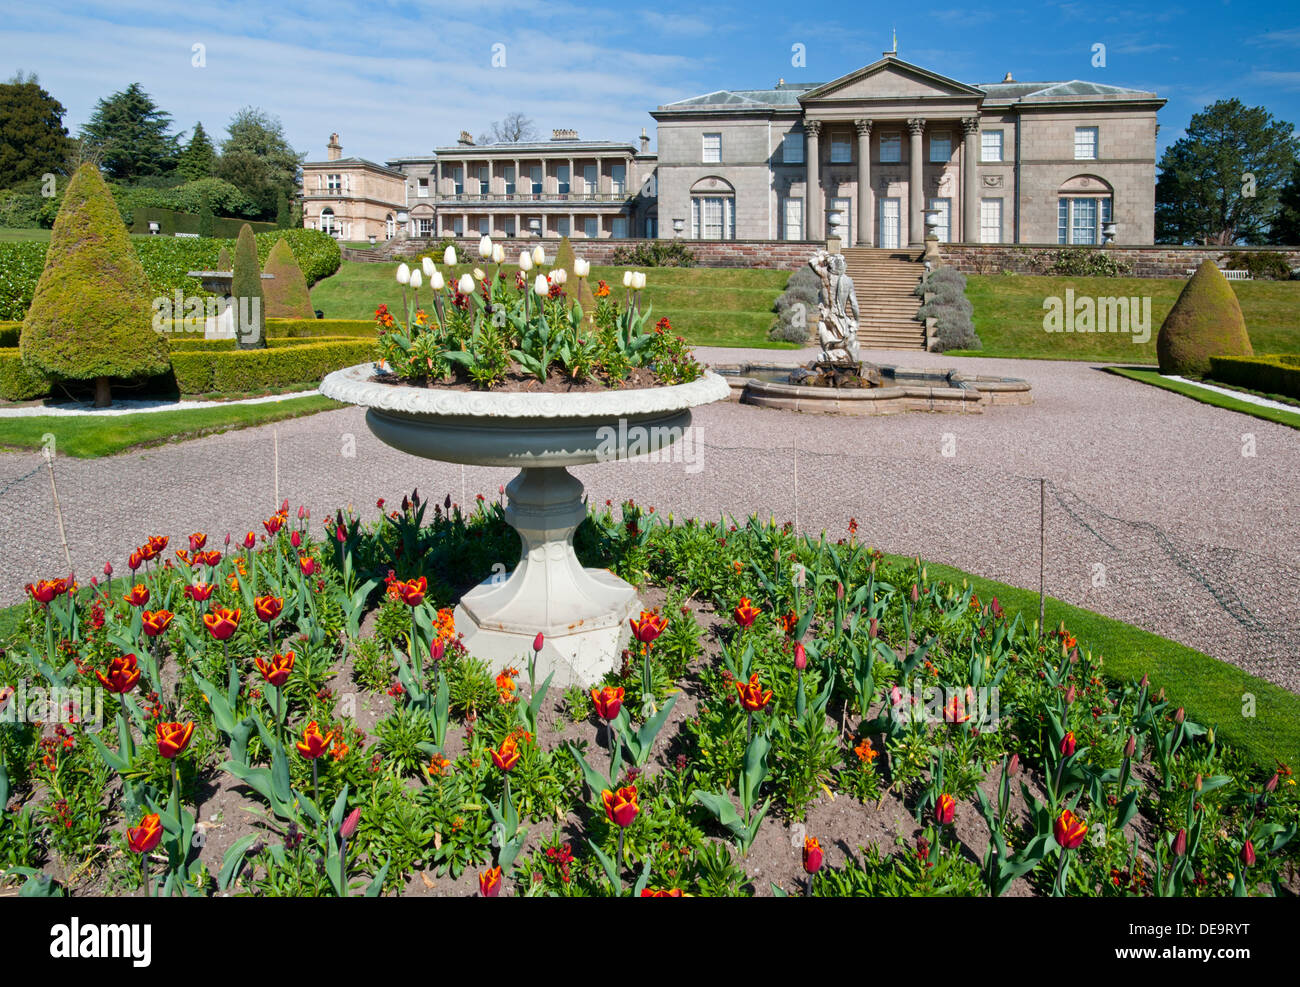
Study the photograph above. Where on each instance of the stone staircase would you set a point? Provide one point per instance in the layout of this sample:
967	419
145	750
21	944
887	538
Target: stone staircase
884	281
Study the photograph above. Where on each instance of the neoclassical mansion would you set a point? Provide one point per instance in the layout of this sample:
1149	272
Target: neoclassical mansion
864	157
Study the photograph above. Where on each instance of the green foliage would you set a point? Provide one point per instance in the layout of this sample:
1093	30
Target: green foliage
951	309
282	211
224	263
206	219
1270	374
199	158
1263	265
1286	224
257	158
1202	195
1078	262
250	371
91	315
287	296
655	253
246	292
17	381
33	140
1206	321
128	131
309	327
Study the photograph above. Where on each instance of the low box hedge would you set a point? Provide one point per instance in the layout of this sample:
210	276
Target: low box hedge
17	383
204	370
1270	373
300	328
189	343
9	334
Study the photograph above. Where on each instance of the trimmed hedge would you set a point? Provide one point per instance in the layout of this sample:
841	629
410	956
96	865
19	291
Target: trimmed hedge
241	371
17	383
308	328
196	344
1273	374
171	221
9	333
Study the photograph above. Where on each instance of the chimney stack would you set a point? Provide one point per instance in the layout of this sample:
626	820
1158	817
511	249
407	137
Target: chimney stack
564	135
465	138
333	150
645	142
1008	78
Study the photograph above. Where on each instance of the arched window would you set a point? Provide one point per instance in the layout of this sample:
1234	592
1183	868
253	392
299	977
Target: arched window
713	209
327	222
1084	205
390	227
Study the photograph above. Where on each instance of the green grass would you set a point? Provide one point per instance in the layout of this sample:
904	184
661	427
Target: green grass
709	306
1009	316
1291	418
1211	690
8	235
88	437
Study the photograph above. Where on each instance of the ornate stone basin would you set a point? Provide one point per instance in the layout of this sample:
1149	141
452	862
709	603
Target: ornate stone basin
582	613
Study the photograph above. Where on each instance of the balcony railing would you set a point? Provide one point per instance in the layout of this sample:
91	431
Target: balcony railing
520	197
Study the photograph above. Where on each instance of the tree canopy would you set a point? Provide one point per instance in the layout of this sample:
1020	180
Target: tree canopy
199	158
33	140
257	158
515	127
130	133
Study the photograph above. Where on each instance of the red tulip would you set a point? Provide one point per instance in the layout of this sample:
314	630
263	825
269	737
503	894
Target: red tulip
1248	854
649	627
608	701
945	809
145	837
123	674
135	560
1180	843
411	592
307	565
752	696
621	806
295	539
812	855
108	569
278	669
199	592
538	641
1180	714
800	657
221	623
197	541
1068	744
745	613
313	743
250	540
44	591
154	622
489	883
437	650
273	524
1013	766
350	824
173	738
138	596
1069	830
661	893
268	607
508	756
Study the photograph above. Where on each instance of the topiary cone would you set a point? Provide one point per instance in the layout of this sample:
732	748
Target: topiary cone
287	297
91	317
1205	321
246	293
223	260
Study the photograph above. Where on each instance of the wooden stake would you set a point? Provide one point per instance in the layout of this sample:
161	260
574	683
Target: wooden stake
58	511
275	438
794	450
1042	554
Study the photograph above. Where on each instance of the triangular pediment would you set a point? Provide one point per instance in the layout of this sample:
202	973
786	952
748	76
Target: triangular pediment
890	78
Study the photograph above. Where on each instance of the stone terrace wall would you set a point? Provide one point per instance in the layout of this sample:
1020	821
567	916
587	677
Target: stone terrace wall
778	255
1145	262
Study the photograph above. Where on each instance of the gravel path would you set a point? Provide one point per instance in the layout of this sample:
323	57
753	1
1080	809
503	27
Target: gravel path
1157	512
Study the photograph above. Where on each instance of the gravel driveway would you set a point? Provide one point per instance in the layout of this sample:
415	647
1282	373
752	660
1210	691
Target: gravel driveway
1154	514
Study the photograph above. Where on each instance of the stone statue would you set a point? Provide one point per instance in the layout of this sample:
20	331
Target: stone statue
837	309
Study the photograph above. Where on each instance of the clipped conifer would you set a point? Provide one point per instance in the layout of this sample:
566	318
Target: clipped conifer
91	317
246	293
1205	321
287	297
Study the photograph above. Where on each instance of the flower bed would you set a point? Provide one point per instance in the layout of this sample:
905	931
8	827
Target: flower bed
791	706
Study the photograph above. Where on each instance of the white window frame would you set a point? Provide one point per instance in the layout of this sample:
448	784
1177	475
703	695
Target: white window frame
988	232
536	178
1089	149
1069	228
894	141
334	183
619	226
458	180
618	179
508	176
591	227
944	139
591	178
841	149
563	179
422	188
944	232
711	147
328	221
790	228
424	226
986	145
792	148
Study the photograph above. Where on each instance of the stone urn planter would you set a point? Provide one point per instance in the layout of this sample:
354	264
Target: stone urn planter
583	613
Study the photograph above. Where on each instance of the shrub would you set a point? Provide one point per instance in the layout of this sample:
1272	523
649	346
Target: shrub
17	382
306	328
9	335
227	370
796	307
91	315
246	292
1262	265
224	262
655	253
1270	374
950	308
207	221
287	296
1205	321
20	269
1077	262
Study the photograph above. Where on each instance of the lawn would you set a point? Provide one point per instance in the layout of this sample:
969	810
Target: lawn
709	306
87	437
1291	418
1009	316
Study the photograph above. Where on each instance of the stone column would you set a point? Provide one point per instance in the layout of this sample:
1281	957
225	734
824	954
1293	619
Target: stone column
915	185
865	211
816	209
518	186
970	189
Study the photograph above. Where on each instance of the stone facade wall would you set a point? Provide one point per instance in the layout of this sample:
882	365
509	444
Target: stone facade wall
361	208
775	255
1145	262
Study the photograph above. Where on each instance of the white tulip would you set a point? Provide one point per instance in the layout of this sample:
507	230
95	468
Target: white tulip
525	261
416	280
640	280
498	253
436	281
485	247
581	267
428	267
403	274
539	255
627	279
478	274
449	257
466	284
540	288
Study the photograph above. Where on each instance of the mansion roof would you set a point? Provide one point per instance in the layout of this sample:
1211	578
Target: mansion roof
352	162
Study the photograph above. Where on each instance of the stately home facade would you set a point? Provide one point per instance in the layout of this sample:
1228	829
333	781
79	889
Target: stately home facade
867	155
867	158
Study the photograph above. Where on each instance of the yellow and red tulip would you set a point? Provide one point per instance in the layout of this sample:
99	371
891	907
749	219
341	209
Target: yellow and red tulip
812	855
411	591
313	743
661	893
608	701
648	627
945	809
123	674
145	837
753	697
173	738
199	592
621	807
154	622
508	755
268	607
1069	830
1068	744
278	669
221	622
745	613
138	596
489	882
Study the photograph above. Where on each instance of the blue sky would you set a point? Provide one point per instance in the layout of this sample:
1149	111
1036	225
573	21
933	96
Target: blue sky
398	78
